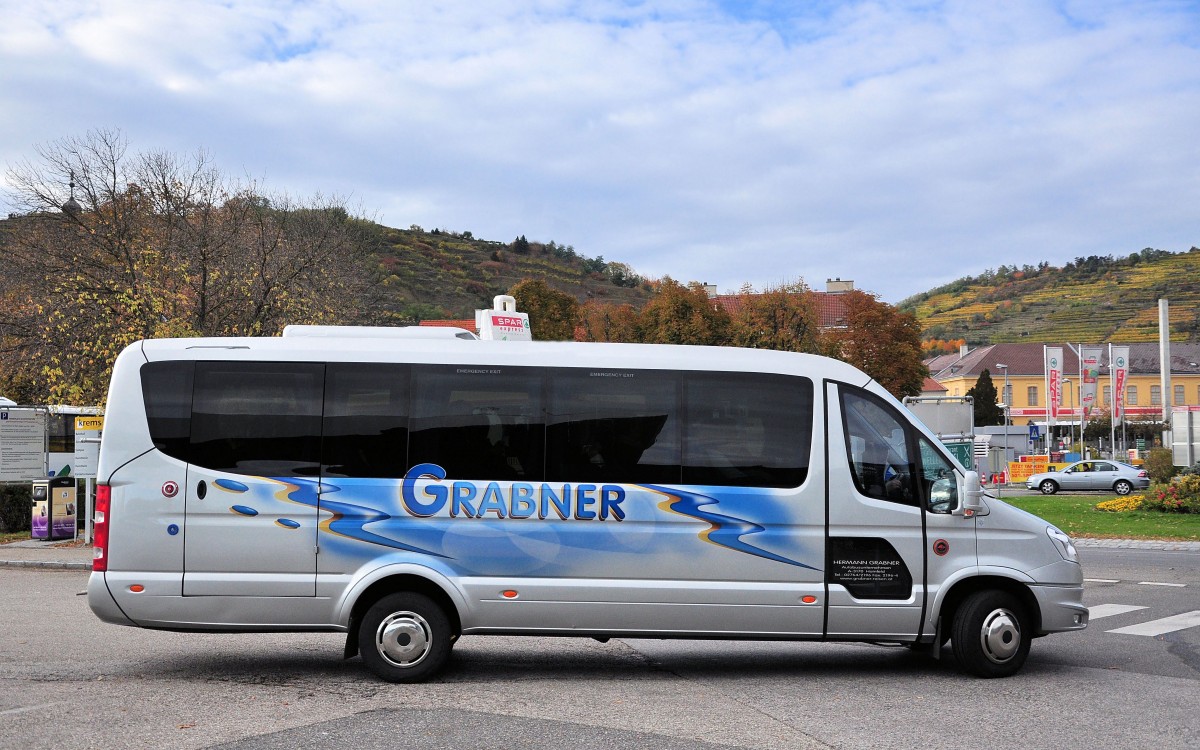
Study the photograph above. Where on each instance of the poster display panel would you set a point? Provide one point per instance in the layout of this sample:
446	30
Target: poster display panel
22	444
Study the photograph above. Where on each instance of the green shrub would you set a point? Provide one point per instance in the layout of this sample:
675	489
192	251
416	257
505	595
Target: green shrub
1160	464
1193	470
14	507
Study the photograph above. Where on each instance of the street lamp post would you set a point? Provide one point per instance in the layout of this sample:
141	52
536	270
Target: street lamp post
1007	399
1071	427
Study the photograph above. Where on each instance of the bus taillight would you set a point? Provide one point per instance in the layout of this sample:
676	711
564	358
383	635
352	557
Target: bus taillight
100	528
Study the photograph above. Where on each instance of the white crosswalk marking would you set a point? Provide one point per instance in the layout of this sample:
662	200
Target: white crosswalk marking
1157	583
1108	610
1163	625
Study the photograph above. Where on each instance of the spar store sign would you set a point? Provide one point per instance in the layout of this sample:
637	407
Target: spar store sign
505	326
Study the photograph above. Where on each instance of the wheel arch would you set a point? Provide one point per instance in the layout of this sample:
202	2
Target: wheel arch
967	586
395	581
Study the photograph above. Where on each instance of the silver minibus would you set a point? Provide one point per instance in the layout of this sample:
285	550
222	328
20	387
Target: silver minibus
407	491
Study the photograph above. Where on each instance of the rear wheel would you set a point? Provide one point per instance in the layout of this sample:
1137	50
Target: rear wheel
991	634
405	637
1048	487
1122	487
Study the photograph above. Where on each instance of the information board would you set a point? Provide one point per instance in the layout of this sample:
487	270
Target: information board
87	446
22	444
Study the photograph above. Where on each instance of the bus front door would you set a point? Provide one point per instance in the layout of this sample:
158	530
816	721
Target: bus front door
875	555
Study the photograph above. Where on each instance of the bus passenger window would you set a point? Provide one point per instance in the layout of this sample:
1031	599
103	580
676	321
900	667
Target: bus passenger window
258	418
613	426
747	430
167	393
366	420
478	422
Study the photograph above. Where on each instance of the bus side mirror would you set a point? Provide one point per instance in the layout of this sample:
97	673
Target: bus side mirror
972	497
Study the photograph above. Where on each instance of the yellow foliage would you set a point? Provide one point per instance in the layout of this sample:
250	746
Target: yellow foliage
1122	504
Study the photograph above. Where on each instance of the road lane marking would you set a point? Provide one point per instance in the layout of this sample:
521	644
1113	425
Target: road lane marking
1164	625
1156	583
1108	610
12	711
1101	580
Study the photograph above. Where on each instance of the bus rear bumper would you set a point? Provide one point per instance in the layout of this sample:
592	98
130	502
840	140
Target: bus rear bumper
101	600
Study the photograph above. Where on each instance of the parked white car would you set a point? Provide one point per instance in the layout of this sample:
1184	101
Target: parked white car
1107	476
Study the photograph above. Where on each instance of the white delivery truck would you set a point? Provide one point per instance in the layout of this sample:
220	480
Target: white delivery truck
407	491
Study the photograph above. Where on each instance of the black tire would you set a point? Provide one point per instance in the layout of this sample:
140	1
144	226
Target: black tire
991	634
1123	487
405	637
1048	486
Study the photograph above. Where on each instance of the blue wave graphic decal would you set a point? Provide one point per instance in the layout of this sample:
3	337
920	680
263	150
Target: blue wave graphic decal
349	519
230	486
724	531
244	510
287	523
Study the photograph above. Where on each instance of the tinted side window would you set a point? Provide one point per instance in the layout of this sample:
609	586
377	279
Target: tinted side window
941	483
167	392
366	420
878	450
615	426
478	422
747	430
258	418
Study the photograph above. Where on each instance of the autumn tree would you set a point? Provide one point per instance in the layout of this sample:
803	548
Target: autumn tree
679	314
882	342
552	314
987	410
785	317
112	247
600	321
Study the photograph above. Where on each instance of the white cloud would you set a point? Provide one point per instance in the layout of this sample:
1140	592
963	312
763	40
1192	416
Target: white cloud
898	143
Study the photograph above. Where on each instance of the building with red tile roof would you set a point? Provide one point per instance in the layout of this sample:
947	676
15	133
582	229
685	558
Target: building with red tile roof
831	303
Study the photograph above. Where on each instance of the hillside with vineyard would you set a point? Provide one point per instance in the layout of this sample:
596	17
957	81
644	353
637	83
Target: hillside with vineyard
1093	299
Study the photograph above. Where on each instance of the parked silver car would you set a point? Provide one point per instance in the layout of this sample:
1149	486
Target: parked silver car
1091	475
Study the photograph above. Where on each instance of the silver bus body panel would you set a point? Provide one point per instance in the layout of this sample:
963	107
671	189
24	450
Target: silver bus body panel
297	563
711	608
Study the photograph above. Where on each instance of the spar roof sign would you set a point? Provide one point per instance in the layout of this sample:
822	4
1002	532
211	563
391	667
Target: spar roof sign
503	322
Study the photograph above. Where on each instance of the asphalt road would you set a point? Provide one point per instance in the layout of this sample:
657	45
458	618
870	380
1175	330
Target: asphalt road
69	681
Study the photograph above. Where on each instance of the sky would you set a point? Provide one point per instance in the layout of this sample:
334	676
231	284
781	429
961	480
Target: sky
899	144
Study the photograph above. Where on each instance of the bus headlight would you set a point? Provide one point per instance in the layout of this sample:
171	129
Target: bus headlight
1062	543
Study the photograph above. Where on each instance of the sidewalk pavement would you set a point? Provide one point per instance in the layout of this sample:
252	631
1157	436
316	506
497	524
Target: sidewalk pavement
61	555
78	556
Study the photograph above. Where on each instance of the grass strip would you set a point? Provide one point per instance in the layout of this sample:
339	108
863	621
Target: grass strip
1078	516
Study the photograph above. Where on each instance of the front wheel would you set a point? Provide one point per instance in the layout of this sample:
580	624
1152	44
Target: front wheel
405	637
1048	487
991	634
1122	487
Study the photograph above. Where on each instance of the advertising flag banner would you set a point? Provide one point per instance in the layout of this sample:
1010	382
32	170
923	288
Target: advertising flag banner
1089	365
1054	362
1120	371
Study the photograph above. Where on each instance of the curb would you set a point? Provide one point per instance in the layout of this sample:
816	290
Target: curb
1144	544
46	564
